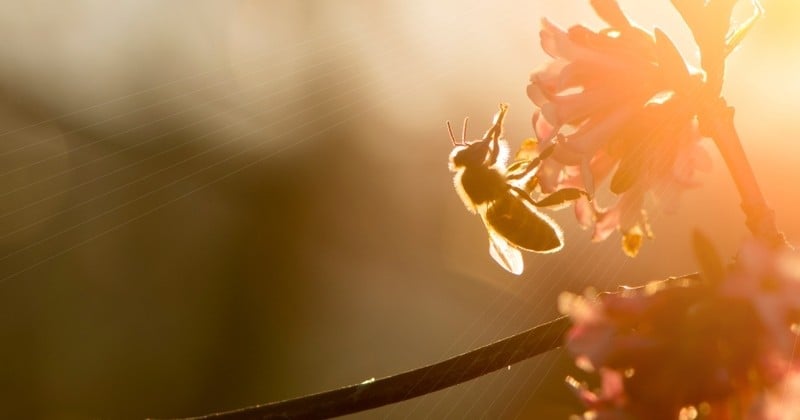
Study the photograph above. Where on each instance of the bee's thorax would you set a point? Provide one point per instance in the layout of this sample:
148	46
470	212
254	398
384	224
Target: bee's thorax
483	184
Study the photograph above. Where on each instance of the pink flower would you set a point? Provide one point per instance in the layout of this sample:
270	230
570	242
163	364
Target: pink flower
782	402
770	279
620	103
705	346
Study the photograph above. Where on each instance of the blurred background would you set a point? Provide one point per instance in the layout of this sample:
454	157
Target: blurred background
211	204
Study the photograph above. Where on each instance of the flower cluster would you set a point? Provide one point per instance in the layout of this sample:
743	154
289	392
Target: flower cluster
714	350
620	104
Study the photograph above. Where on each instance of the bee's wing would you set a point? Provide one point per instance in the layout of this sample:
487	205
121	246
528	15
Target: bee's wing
505	254
516	220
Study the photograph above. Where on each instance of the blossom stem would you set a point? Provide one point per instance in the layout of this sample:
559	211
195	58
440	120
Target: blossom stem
760	219
414	383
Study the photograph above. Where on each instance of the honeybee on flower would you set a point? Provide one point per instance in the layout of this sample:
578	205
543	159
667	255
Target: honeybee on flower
501	195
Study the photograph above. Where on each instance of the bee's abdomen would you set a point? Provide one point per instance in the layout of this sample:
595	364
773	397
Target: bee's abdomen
523	226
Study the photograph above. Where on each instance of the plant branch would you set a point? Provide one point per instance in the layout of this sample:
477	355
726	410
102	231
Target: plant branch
407	385
760	219
710	23
425	380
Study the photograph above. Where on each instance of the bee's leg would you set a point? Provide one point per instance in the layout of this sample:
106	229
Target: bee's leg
531	166
494	151
524	195
534	163
547	152
496	130
556	199
494	134
562	197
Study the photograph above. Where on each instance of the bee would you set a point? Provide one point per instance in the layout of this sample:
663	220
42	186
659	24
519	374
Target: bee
497	193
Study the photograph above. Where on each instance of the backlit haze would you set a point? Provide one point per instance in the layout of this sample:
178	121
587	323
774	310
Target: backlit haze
212	204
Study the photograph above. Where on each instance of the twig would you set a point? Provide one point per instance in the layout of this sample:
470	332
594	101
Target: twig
428	379
760	218
407	385
710	25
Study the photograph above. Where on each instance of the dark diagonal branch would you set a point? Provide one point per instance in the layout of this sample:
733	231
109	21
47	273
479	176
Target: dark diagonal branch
407	385
425	380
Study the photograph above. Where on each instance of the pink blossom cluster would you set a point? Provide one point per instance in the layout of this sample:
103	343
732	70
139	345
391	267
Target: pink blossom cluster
710	349
620	104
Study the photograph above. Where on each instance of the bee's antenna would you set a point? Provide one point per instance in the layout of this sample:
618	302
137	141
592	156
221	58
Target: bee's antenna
463	133
452	137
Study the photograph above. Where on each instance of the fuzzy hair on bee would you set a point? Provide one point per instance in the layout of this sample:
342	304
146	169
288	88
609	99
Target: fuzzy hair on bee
486	187
478	180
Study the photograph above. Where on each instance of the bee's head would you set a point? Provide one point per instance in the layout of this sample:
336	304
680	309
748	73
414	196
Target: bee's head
480	152
469	155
